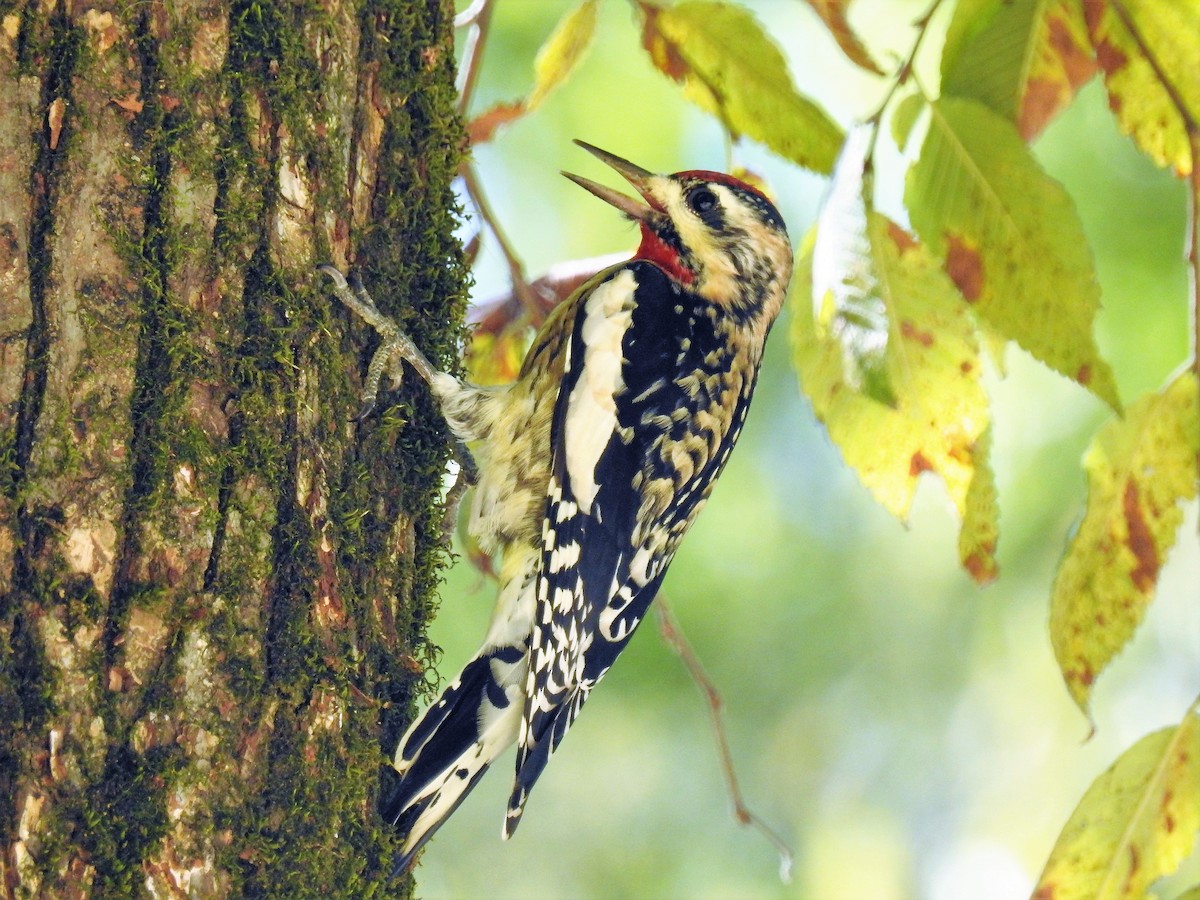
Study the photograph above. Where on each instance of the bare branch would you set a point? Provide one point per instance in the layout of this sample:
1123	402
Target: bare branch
673	635
515	267
479	17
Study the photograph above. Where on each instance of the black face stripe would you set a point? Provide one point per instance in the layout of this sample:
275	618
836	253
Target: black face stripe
715	218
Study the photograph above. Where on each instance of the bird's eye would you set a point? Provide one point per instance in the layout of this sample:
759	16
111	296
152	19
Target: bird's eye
702	200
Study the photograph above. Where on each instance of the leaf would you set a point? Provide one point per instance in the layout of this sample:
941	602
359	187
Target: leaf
1139	469
555	60
1010	238
482	128
731	68
495	358
1144	109
940	418
562	51
1136	823
1025	60
904	117
833	14
846	275
980	530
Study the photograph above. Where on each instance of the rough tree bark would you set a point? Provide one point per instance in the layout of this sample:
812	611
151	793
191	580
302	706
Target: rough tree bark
213	583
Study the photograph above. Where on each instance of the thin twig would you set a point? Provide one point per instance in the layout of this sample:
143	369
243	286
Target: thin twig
673	635
479	17
1192	127
900	78
516	269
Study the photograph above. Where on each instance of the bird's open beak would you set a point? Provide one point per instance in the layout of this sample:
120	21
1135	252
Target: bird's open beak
635	175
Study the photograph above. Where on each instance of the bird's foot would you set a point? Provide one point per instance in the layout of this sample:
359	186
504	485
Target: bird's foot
396	347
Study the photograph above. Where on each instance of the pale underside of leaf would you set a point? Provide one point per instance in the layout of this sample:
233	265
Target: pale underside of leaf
1010	237
729	66
939	420
1025	61
1135	824
847	284
1144	109
1140	469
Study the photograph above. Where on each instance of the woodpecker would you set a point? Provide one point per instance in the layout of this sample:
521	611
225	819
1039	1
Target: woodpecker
591	467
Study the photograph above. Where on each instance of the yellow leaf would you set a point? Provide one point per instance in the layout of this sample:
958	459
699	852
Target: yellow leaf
1144	109
556	59
1135	824
731	68
980	530
1010	237
496	358
1139	469
940	417
1025	61
562	51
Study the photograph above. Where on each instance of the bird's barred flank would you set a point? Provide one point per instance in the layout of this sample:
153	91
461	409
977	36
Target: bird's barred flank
591	467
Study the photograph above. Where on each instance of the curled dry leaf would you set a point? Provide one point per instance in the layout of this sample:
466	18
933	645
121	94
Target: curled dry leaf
54	120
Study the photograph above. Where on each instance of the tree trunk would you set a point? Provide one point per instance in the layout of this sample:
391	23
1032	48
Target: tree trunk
213	583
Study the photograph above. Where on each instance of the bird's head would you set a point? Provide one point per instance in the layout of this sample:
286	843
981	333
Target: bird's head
712	233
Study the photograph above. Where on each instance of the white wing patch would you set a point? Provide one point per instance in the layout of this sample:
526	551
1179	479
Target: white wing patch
591	415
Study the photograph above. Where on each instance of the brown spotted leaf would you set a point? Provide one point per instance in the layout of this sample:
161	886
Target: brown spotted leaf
1143	107
833	14
1139	468
939	418
1136	823
980	530
1024	60
1010	237
730	67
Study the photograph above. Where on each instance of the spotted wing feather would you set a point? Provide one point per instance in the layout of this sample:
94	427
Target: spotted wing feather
636	449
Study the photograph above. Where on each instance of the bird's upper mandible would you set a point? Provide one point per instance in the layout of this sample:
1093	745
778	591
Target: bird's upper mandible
713	233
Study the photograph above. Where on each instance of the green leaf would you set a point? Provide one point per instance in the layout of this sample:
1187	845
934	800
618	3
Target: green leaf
1025	60
1143	107
848	278
970	18
731	68
1136	823
1139	469
1010	238
940	418
904	117
564	48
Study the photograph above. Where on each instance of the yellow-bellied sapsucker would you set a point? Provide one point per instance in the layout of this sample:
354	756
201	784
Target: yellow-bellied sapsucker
591	467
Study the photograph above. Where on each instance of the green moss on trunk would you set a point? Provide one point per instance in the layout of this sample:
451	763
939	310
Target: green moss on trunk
215	639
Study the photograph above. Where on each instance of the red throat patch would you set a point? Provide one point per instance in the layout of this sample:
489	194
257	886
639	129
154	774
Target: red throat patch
654	249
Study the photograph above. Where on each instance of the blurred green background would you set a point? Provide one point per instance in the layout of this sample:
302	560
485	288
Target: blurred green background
907	732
